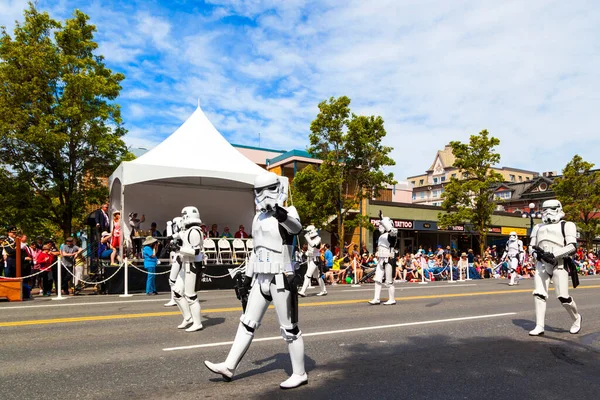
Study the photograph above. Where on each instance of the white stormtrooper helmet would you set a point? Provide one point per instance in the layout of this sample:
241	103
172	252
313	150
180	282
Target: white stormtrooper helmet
311	231
385	224
552	212
177	224
190	216
268	191
513	236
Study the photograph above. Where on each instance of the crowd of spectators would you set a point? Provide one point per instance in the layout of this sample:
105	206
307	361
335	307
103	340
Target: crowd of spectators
341	266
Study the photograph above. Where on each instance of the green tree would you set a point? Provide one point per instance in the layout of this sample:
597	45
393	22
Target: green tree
578	189
352	169
470	199
61	128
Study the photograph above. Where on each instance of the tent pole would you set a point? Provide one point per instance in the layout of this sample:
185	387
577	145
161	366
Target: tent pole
123	258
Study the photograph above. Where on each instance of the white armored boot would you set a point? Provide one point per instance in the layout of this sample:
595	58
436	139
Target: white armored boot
323	291
299	376
302	292
196	318
242	341
377	296
540	314
572	310
184	307
512	278
391	296
171	301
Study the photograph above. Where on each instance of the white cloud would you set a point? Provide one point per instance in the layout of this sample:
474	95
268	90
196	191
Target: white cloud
435	70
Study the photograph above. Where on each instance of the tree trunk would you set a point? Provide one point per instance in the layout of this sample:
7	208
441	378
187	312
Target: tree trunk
341	233
482	241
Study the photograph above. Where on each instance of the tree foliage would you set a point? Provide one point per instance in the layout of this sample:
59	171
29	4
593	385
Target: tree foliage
61	128
353	159
470	199
578	189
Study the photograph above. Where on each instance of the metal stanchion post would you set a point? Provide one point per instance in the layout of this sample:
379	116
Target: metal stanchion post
58	281
355	282
126	280
451	274
422	277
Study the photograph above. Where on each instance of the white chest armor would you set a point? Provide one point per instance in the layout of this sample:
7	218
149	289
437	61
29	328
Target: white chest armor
514	248
383	246
192	239
550	237
271	255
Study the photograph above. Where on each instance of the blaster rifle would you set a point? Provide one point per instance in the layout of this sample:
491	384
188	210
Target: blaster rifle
545	256
240	284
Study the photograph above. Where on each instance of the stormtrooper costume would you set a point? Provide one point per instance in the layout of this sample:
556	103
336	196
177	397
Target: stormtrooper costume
513	254
177	275
184	269
314	241
271	268
385	251
558	239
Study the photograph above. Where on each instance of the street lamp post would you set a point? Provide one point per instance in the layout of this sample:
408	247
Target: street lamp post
532	214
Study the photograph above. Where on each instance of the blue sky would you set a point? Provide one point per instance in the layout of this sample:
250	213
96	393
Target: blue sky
435	70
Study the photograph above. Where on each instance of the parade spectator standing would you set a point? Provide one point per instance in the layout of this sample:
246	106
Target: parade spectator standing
116	232
150	262
226	233
45	260
134	227
241	233
68	252
213	233
462	265
102	221
10	253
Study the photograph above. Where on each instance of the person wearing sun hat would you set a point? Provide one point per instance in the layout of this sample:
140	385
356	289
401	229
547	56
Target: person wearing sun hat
150	261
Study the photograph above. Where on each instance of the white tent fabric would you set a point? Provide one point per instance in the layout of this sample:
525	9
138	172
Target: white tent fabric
194	166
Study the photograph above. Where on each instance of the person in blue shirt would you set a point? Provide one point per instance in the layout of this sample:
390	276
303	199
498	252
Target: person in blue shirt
328	255
150	261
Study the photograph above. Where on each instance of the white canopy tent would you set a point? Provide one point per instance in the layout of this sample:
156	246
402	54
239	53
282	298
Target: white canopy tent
194	166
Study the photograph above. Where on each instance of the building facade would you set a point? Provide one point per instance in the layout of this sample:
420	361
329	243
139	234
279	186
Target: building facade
429	187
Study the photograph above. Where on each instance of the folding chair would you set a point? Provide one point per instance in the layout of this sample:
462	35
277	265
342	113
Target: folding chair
210	250
224	251
249	246
239	250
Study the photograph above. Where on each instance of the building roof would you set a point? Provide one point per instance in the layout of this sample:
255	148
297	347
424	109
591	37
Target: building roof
290	155
446	156
242	146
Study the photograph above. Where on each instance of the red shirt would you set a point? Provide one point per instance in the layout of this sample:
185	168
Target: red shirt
45	260
241	235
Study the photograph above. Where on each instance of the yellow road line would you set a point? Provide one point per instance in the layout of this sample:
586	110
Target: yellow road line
231	309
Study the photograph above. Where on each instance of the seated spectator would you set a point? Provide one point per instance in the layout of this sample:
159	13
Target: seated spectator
241	233
226	234
153	231
105	250
213	233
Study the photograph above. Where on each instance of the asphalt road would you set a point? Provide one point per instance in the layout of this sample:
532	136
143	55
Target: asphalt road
441	341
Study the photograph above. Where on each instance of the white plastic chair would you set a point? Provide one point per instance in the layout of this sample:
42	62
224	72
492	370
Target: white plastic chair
249	247
239	250
225	253
210	250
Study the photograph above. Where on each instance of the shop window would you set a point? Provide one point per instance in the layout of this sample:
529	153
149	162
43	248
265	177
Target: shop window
436	193
422	195
414	196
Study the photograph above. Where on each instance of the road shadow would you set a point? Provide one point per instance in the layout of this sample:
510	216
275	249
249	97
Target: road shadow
527	325
442	367
208	321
